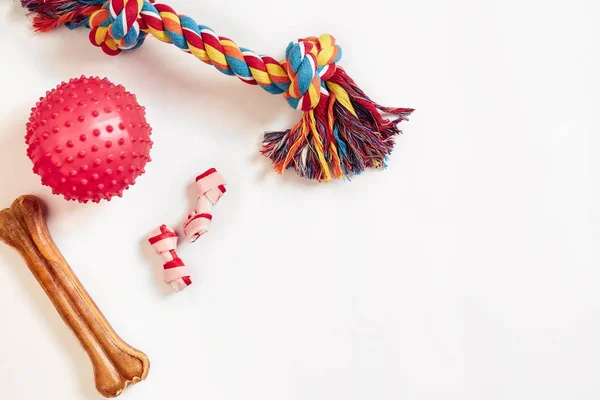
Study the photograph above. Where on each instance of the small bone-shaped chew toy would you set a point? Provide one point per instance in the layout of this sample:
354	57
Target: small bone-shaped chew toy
164	242
210	186
116	364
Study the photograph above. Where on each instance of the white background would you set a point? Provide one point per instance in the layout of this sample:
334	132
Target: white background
466	270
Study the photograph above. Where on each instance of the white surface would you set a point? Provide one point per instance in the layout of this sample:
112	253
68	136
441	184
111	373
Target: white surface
466	270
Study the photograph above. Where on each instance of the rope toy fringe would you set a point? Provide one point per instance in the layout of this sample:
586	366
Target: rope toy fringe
164	242
342	131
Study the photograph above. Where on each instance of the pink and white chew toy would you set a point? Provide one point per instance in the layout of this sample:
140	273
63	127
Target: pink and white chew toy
164	243
210	186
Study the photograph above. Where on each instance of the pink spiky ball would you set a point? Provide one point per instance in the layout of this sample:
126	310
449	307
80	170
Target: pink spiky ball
88	139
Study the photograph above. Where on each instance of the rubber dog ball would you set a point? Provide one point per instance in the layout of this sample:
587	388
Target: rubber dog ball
88	139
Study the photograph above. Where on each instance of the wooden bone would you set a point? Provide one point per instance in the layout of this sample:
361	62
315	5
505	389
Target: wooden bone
115	363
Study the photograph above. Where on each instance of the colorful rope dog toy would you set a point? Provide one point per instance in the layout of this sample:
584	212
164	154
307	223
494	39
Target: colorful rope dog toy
164	242
210	186
342	131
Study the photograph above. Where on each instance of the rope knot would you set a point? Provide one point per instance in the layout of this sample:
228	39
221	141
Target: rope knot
115	26
309	63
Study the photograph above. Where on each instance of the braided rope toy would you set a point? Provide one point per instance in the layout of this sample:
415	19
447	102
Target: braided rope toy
342	131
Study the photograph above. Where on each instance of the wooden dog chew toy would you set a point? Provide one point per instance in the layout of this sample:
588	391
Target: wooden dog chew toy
116	364
164	242
210	186
88	139
342	131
